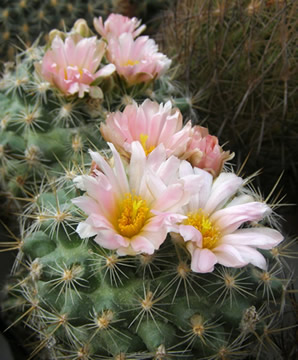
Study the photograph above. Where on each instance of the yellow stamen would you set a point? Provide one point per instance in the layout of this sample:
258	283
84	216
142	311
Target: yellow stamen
143	140
65	74
134	213
201	222
131	63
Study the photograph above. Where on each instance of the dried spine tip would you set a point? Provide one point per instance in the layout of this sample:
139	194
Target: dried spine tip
249	319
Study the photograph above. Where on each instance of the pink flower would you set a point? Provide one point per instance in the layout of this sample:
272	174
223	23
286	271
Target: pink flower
73	65
204	152
117	24
214	230
130	208
151	124
138	61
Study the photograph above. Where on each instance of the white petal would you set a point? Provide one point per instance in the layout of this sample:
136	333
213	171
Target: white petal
202	260
252	256
230	218
228	255
85	230
190	233
223	188
263	238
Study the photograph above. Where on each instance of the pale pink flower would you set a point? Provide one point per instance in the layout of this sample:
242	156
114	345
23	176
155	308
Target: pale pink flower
151	124
117	24
217	227
204	152
130	207
72	65
138	61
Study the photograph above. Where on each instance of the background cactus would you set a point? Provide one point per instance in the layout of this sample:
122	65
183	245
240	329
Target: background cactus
81	301
240	63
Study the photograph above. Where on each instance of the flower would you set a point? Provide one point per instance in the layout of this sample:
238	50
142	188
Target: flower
117	24
151	124
137	60
130	208
72	65
204	152
213	217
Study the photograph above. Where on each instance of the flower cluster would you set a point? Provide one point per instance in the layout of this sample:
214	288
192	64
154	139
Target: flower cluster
74	62
136	57
169	178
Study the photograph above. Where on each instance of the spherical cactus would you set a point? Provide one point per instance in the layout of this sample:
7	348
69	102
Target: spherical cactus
138	290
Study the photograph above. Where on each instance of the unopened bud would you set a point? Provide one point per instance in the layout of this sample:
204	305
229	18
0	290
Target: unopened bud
53	33
81	27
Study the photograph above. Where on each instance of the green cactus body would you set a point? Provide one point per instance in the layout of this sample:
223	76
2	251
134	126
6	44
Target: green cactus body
86	302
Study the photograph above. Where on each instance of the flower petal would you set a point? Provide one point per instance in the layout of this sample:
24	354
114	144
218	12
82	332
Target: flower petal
228	255
230	218
223	187
263	238
202	260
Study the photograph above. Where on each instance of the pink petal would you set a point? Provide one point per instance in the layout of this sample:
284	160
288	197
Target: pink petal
230	218
190	233
263	238
140	244
87	204
252	256
203	260
228	255
224	186
109	239
170	199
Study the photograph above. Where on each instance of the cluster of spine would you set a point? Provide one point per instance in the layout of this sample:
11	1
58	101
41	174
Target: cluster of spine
239	60
35	18
84	302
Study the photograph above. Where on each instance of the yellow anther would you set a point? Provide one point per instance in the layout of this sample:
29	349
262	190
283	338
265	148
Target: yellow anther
210	233
134	213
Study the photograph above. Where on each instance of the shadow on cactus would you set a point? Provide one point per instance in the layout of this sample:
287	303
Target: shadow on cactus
240	63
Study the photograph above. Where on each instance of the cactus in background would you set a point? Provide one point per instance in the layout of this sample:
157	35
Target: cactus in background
117	299
240	63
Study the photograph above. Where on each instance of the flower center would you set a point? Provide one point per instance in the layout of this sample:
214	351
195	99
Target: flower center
131	63
201	222
143	141
134	213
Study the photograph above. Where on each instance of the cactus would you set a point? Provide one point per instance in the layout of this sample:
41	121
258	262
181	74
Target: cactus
240	63
82	301
173	270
